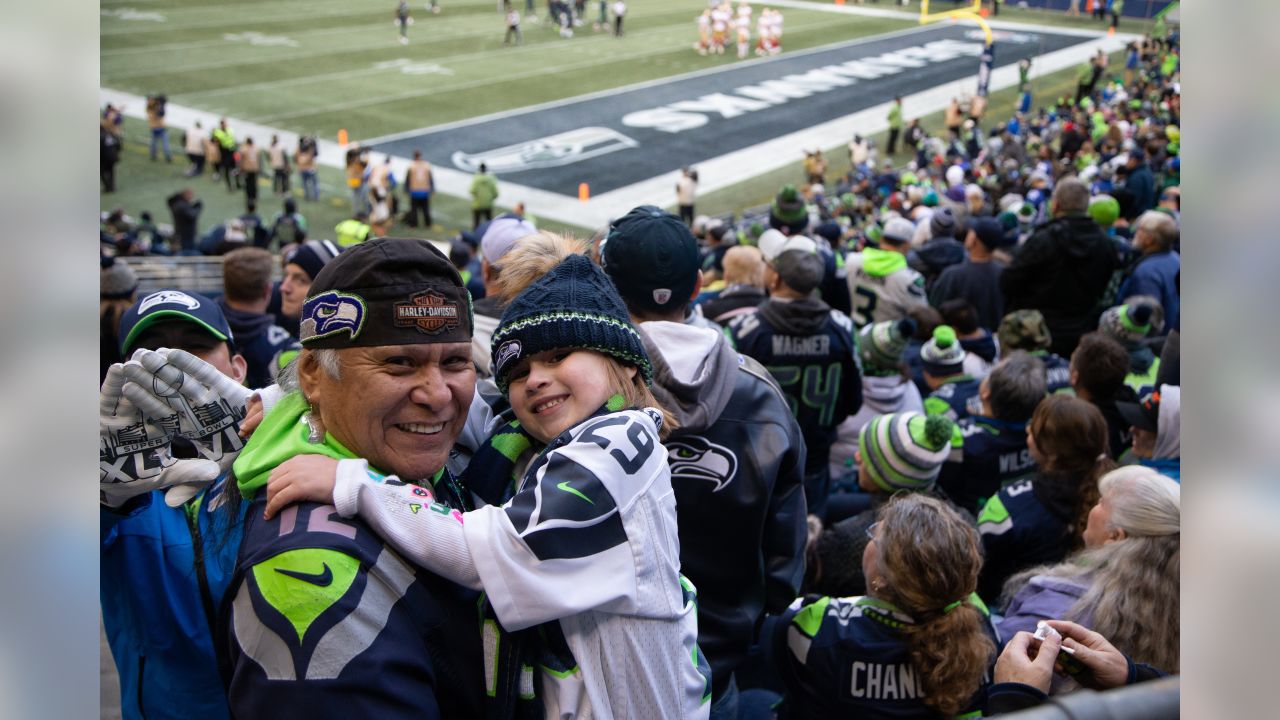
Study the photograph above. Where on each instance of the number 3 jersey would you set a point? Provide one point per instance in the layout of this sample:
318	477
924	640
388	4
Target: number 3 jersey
882	286
811	351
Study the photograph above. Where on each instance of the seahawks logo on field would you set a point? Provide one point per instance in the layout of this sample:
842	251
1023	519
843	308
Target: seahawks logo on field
552	151
696	458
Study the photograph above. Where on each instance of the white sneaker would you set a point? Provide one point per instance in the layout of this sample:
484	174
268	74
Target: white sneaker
404	40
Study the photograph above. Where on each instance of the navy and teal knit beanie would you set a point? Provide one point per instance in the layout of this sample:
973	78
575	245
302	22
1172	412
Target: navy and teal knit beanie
572	306
905	451
942	354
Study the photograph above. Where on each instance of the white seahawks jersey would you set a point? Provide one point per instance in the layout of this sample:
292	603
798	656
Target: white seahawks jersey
590	540
877	299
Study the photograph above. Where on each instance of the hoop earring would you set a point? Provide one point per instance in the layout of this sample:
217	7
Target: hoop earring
315	434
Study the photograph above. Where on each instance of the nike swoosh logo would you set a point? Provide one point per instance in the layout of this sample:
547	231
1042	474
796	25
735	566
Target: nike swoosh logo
565	487
322	579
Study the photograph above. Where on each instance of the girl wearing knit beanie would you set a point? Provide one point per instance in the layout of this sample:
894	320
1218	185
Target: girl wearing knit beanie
918	644
586	551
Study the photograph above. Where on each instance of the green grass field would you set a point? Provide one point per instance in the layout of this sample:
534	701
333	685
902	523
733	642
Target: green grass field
318	66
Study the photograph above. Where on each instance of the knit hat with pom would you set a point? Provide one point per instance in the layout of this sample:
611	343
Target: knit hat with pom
942	355
1130	323
905	451
882	344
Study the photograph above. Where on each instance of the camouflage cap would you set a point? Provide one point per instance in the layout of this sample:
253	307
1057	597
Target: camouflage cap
1024	330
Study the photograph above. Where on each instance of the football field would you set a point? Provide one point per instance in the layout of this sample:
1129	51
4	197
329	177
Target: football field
324	65
621	115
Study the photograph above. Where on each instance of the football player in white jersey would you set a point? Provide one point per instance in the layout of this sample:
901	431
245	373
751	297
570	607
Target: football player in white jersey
704	33
743	24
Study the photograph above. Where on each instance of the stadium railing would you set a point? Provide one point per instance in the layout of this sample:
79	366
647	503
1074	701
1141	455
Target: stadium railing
1155	700
198	273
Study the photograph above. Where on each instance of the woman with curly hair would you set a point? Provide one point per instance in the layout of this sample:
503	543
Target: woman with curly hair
1040	519
919	644
1124	584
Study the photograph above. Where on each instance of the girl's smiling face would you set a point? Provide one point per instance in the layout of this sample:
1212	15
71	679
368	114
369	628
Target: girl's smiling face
554	390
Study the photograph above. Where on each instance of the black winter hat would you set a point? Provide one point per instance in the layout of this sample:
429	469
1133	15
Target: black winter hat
572	306
652	259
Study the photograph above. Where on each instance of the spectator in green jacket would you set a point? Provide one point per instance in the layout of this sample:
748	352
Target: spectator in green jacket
484	190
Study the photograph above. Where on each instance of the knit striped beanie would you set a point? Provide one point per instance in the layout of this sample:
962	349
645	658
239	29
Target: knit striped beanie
942	355
905	451
1130	323
882	344
573	306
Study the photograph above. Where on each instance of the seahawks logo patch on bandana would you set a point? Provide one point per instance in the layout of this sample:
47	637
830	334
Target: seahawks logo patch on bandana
330	313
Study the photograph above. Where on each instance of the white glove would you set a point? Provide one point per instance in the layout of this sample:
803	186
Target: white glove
133	455
188	395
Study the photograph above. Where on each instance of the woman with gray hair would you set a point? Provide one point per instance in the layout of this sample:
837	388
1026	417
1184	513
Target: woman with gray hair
1124	584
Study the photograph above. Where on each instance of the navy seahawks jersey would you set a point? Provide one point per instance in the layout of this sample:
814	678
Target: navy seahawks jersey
1057	370
818	371
324	620
986	455
849	657
953	399
1017	532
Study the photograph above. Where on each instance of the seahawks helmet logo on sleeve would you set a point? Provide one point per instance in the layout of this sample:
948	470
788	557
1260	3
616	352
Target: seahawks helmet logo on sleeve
696	458
330	313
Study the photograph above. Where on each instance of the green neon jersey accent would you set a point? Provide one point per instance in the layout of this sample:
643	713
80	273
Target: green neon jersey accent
565	487
809	619
993	512
562	674
301	584
935	406
511	445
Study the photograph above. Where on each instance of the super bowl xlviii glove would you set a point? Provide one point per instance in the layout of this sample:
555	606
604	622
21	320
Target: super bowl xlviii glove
133	453
179	390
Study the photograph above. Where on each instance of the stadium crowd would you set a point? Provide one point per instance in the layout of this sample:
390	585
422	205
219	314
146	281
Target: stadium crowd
907	448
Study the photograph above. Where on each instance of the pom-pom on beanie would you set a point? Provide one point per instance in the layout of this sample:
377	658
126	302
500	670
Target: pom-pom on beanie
905	451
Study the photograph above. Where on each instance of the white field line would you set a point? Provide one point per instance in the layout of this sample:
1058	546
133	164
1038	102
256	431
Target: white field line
262	13
185	46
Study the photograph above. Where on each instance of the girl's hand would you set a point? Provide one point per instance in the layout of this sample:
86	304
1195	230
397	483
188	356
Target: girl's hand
252	417
301	478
